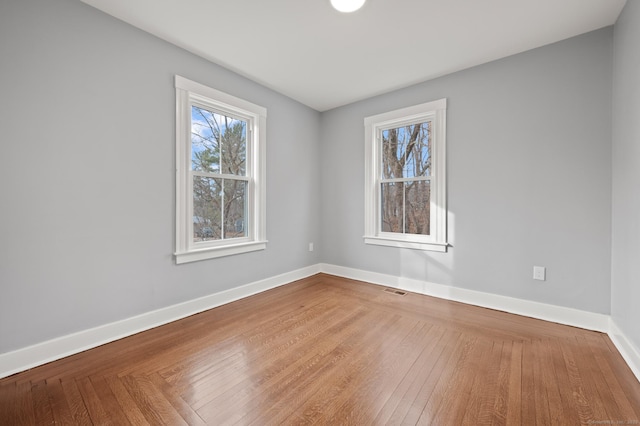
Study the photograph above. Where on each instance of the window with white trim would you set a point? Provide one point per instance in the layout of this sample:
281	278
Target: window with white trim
220	173
405	181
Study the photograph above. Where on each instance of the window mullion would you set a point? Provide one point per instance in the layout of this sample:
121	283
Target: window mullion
222	218
404	208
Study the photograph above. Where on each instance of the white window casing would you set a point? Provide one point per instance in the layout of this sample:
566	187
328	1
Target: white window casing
188	94
434	112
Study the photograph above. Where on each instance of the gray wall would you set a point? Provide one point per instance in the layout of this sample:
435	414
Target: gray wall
87	175
529	177
87	178
625	285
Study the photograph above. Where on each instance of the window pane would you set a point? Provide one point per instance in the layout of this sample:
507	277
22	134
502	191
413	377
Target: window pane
417	207
207	208
406	151
418	154
235	208
393	149
218	201
392	202
218	142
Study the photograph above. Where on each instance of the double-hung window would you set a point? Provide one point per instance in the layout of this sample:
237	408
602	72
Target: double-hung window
220	188
405	187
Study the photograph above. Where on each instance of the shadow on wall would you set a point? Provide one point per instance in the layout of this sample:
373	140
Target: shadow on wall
433	267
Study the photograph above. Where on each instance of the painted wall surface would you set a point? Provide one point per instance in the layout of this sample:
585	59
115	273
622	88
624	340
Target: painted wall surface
625	291
529	177
87	174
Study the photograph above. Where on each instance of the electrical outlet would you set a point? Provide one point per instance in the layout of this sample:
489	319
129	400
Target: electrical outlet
539	273
310	246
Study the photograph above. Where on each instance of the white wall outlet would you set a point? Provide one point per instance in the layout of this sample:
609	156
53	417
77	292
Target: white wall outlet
310	246
539	273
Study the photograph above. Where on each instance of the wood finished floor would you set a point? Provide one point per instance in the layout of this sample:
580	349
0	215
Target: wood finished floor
328	350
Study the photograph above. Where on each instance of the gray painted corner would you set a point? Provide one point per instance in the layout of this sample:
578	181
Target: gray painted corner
625	280
87	175
529	177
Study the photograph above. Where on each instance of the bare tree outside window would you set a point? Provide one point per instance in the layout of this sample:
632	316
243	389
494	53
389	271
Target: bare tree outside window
218	163
405	182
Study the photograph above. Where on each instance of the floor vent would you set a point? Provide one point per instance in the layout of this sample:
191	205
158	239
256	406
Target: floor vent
394	291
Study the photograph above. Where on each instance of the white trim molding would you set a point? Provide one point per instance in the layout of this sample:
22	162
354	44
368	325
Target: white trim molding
527	308
630	353
51	350
558	314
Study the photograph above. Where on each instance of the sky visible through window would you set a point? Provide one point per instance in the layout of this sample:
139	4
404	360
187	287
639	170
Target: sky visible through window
217	138
406	151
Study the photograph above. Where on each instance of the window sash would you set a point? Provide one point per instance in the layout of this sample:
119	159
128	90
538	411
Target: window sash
381	206
401	126
409	179
247	177
220	176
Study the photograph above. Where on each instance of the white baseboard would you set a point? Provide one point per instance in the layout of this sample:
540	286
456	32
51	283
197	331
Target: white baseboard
51	350
627	349
543	311
559	314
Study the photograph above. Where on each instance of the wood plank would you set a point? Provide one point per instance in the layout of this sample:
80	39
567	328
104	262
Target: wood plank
8	399
559	376
271	375
41	405
435	396
597	392
232	354
185	410
59	405
404	394
96	411
393	373
462	400
623	402
335	370
126	402
550	384
151	402
484	390
581	398
514	399
108	401
75	402
24	414
359	401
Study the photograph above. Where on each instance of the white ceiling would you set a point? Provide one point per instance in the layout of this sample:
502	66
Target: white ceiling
324	59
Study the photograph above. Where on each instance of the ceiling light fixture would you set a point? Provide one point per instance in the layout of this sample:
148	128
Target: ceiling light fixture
347	6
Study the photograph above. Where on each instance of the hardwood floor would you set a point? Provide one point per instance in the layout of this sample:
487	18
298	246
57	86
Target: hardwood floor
328	350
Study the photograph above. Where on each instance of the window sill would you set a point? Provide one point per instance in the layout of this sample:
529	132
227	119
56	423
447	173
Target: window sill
431	246
213	252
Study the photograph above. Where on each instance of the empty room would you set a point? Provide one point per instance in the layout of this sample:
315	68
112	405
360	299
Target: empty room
353	212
